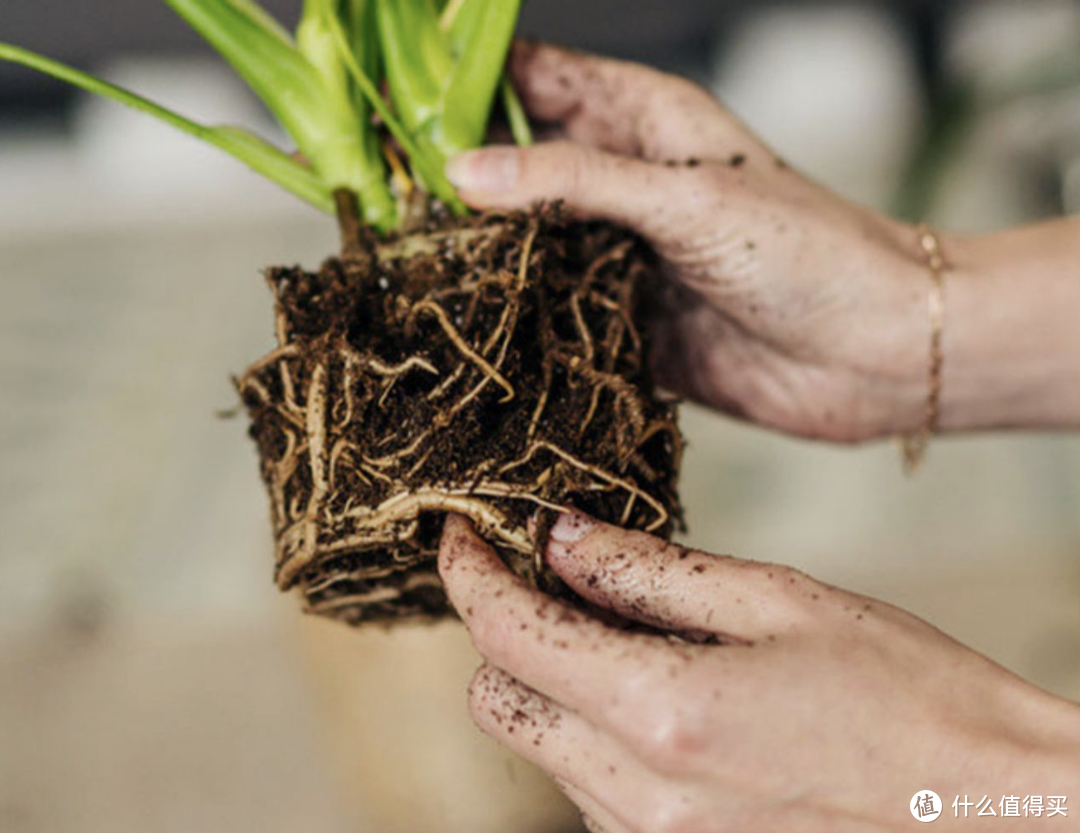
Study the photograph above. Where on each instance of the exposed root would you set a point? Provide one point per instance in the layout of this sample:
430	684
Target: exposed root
377	525
463	346
371	427
316	434
604	476
392	370
273	357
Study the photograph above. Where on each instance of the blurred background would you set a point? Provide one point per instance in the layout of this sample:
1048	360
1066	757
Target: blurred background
151	678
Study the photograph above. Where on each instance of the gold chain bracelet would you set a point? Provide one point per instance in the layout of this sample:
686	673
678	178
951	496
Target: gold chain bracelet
914	445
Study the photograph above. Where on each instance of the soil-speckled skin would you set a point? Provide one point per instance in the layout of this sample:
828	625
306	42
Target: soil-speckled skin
491	366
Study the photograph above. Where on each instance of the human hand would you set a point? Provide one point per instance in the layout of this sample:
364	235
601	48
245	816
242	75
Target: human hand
789	305
789	705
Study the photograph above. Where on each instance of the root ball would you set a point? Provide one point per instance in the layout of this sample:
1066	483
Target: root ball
493	366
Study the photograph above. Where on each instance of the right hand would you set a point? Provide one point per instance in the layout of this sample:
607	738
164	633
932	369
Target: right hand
820	709
787	305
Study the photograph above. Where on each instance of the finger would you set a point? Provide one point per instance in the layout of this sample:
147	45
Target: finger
586	763
605	675
659	583
651	199
623	107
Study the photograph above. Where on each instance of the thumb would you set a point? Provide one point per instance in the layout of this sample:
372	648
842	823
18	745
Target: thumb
665	585
593	182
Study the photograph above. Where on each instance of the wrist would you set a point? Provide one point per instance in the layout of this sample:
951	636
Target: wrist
1040	739
1011	339
1024	743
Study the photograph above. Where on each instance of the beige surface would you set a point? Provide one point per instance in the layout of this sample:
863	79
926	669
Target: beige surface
163	724
391	707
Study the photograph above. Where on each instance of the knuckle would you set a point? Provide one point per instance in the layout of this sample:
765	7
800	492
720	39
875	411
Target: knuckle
627	82
792	590
668	743
574	171
487	696
688	93
663	86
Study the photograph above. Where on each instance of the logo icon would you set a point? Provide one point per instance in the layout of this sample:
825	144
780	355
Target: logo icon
926	806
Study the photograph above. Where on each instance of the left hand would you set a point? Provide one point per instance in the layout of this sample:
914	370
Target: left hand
787	705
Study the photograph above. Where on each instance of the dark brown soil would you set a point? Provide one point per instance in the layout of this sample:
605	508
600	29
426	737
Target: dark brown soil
492	366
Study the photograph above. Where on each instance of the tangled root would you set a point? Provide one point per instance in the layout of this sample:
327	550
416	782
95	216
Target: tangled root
491	367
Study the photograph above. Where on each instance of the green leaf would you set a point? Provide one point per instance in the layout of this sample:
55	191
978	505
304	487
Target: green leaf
317	42
425	159
357	18
486	29
417	59
274	164
362	34
264	19
254	152
315	112
271	65
458	21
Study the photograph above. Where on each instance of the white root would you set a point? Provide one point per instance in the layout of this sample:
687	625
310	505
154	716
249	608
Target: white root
662	514
463	346
315	408
274	356
389	459
383	593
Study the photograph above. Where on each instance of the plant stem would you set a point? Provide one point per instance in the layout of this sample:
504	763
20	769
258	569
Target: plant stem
348	215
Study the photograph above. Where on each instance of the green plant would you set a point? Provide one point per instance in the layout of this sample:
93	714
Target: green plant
441	62
492	366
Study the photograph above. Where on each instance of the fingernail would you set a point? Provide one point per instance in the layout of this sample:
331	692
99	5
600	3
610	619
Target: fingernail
490	170
571	527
